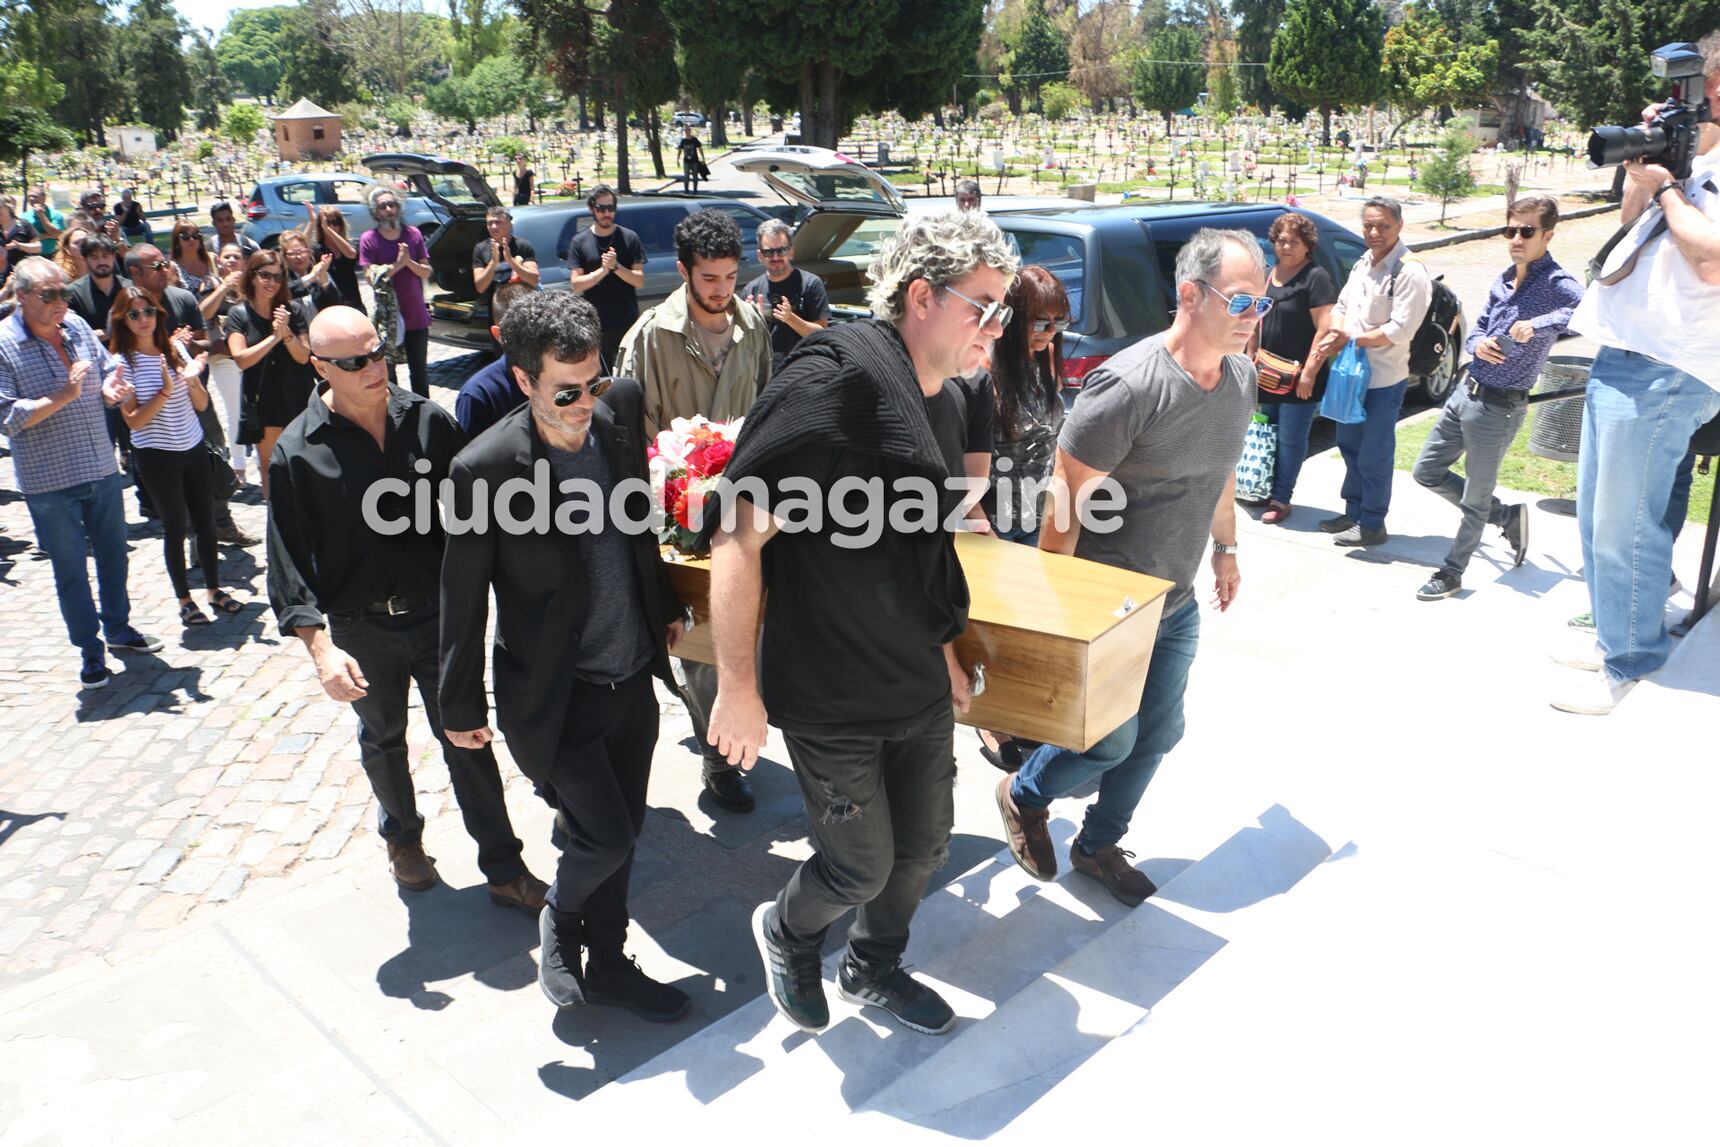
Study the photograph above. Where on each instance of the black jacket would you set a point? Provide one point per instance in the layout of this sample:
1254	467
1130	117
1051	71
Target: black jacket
542	595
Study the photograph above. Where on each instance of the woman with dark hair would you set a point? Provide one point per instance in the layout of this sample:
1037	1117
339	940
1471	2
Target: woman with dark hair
190	255
222	294
163	393
310	275
1027	374
1292	372
267	337
327	234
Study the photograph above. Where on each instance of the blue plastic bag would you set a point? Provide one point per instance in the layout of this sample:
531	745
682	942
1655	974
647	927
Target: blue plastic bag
1347	386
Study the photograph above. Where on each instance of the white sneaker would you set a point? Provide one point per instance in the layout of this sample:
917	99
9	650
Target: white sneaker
1595	695
1584	655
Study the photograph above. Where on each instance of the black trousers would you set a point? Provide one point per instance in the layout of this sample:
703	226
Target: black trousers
183	490
699	694
881	809
611	346
394	652
601	770
417	346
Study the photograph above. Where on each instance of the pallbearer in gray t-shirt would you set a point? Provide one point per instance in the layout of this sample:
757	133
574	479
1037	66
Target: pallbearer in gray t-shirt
1161	423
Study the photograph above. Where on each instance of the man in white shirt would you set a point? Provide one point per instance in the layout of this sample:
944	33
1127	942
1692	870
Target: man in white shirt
1655	382
1380	308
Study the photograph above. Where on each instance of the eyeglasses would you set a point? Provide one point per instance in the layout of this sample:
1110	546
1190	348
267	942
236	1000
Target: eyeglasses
352	362
1521	232
271	276
1238	304
987	311
1043	325
568	395
141	313
158	265
773	252
605	207
51	295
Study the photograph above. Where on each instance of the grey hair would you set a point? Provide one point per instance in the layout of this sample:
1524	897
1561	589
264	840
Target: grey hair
35	272
1387	204
939	249
774	227
1203	255
550	323
969	187
1709	46
377	192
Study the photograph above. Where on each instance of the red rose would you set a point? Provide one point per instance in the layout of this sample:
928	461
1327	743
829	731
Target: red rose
674	491
696	461
715	458
682	511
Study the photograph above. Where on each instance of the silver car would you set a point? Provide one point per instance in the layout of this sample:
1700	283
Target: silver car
277	204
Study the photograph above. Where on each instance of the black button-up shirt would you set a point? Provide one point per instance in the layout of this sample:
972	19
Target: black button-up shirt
324	557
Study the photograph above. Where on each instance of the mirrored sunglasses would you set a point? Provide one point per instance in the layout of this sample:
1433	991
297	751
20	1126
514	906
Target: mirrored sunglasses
568	395
1239	304
1043	325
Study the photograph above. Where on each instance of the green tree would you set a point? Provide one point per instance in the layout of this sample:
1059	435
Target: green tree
822	47
250	49
451	99
26	130
1592	60
495	87
1446	174
1041	54
155	65
542	100
1257	23
95	91
1166	76
1099	43
1328	55
210	87
479	29
394	43
717	51
242	122
1060	99
22	82
1425	68
314	64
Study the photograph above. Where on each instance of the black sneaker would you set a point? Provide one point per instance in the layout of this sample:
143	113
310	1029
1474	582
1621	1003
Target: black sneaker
1516	529
557	976
794	977
95	673
132	641
1338	524
625	985
1441	585
911	1003
1357	536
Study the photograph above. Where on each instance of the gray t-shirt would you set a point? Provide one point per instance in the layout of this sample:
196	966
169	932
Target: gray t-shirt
615	644
1171	446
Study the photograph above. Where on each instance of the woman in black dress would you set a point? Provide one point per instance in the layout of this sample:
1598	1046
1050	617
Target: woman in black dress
1303	294
267	335
327	234
525	181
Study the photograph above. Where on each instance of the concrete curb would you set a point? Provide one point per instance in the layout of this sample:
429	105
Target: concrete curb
1494	232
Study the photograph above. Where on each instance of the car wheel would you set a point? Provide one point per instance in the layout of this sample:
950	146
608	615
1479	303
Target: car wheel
1437	387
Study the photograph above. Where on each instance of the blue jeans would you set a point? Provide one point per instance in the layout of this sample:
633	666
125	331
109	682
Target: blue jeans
1125	760
1678	507
1369	448
1638	416
1295	420
1024	537
71	524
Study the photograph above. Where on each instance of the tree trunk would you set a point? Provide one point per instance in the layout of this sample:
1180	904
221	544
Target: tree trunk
719	125
938	116
654	126
1013	95
584	119
746	118
826	129
597	114
1169	122
1325	125
623	177
807	107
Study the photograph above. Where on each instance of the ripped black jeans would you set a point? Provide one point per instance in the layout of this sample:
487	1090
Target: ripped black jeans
881	811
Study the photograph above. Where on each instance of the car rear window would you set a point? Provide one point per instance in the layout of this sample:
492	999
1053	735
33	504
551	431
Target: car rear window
348	191
1064	256
296	192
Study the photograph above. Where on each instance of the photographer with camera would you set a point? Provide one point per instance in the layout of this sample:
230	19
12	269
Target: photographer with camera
1654	307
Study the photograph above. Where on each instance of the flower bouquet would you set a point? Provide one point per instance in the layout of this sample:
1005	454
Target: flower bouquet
685	463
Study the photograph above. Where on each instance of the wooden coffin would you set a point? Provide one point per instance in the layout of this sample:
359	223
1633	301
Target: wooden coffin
1064	660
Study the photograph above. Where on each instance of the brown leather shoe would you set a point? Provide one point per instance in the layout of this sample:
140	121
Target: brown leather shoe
410	867
526	893
1029	842
1110	866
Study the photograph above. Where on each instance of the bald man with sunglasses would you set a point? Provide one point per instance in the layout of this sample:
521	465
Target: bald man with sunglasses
356	579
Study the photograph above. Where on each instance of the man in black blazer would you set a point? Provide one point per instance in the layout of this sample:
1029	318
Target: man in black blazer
585	617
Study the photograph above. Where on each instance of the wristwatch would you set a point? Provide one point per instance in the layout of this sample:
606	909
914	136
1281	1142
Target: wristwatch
1221	548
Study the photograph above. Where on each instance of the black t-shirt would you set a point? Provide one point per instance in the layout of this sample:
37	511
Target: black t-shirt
343	273
963	419
278	364
320	296
830	657
804	292
523	187
1288	328
523	251
19	232
617	302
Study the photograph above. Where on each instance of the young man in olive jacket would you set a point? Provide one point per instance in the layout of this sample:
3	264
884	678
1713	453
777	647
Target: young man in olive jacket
585	616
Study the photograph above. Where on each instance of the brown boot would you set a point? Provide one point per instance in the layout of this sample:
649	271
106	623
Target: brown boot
1029	841
410	867
1110	866
527	892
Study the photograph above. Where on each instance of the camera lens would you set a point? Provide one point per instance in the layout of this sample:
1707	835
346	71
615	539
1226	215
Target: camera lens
1610	145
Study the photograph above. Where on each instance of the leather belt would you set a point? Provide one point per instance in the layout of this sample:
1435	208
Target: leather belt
392	607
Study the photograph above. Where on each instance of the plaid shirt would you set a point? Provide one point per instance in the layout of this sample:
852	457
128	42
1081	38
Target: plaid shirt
71	446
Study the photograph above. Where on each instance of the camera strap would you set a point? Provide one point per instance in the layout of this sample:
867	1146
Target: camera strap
1598	264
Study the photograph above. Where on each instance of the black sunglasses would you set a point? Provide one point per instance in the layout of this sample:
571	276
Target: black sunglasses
141	313
609	207
568	395
772	252
158	265
1043	325
352	362
1520	232
55	294
271	276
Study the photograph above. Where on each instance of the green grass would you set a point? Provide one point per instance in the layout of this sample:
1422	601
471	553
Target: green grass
1531	473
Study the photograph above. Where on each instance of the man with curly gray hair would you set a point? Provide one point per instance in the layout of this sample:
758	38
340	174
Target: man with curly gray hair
855	661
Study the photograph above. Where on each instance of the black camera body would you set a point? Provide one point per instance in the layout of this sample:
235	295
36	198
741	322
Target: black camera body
1670	138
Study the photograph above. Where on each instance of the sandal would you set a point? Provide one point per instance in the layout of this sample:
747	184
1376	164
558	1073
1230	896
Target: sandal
189	614
225	602
1276	512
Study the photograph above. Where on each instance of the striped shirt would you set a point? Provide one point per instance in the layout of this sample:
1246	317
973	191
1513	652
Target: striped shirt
175	425
71	446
